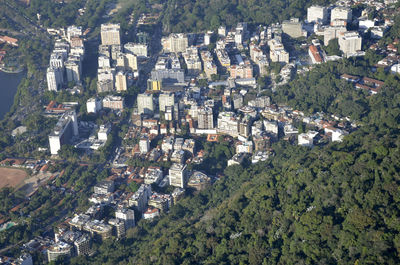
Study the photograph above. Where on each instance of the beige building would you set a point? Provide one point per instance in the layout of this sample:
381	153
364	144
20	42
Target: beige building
293	28
208	64
277	51
175	42
341	12
121	81
110	34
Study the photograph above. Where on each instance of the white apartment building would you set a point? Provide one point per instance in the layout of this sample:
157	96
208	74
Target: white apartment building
178	175
350	42
317	14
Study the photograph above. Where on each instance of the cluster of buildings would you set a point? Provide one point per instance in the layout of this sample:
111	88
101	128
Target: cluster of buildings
117	64
334	21
65	65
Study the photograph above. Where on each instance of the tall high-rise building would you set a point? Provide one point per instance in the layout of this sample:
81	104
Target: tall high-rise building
65	129
73	31
331	33
166	100
56	60
120	81
110	34
82	245
178	175
126	215
145	103
350	42
73	70
317	14
205	118
54	78
131	62
340	12
175	42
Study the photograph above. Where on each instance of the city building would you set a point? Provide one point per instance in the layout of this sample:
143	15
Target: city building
168	75
350	42
105	85
110	34
65	129
104	187
153	175
271	127
140	198
119	228
205	119
131	62
54	78
222	31
127	216
73	31
333	32
59	249
199	181
306	139
82	245
57	60
209	67
175	43
98	229
103	132
114	102
314	54
73	69
137	49
166	100
144	145
154	85
228	124
277	52
145	103
151	213
93	105
244	70
192	60
177	175
318	14
293	28
223	58
340	12
121	81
